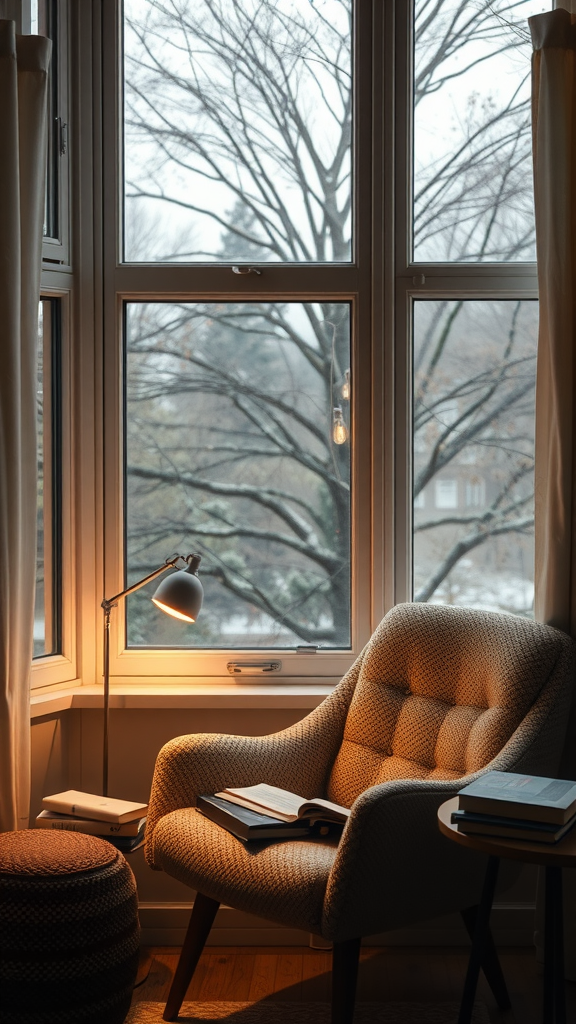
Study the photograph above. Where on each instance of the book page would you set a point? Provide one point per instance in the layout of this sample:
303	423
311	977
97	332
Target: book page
280	802
269	798
327	805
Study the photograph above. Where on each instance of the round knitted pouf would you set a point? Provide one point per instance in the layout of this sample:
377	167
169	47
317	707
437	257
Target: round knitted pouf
68	929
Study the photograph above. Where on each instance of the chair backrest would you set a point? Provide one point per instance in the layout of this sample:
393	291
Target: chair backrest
439	692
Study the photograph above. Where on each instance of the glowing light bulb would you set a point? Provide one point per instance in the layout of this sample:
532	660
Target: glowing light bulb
339	428
346	387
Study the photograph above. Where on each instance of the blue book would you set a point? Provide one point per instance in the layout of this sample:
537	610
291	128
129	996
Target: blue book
510	828
528	797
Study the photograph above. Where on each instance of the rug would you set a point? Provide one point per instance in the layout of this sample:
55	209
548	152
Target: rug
306	1013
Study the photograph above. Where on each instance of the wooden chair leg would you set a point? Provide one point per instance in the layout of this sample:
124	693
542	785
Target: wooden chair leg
201	919
345	957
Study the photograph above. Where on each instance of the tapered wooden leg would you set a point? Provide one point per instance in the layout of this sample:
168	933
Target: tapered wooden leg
345	958
201	919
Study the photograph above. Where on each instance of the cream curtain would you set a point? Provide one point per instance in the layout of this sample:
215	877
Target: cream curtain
23	86
554	148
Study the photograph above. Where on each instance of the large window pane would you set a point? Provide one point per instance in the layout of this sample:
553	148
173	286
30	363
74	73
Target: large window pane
474	380
238	446
238	127
473	198
47	601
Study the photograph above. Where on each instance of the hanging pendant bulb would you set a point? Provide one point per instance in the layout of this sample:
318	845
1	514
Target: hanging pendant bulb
339	428
346	387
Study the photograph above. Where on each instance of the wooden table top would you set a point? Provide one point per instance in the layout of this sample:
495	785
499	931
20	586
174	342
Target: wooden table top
561	854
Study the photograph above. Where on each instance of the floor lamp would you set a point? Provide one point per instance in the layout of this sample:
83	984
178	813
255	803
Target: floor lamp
179	595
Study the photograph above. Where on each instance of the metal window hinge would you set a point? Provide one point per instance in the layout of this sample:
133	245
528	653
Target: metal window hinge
62	128
253	668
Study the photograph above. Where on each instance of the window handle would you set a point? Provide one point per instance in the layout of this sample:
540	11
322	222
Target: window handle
246	270
253	668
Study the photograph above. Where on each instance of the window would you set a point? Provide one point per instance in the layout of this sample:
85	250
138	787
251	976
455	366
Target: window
475	493
471	315
50	18
446	493
235	304
303	337
54	611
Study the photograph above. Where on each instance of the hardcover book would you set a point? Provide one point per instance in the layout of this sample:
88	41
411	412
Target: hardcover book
529	797
127	844
92	827
510	828
247	824
93	807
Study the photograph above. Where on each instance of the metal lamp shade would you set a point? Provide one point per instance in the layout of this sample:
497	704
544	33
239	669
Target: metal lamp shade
180	595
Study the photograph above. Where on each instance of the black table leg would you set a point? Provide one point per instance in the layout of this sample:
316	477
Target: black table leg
490	963
554	992
479	941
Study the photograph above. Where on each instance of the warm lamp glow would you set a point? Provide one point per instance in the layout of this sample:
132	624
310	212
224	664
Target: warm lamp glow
180	594
172	611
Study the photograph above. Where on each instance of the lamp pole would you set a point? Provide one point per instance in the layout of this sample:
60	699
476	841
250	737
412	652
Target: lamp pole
192	562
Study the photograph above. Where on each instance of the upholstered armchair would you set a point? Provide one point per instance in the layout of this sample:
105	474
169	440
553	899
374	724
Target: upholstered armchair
438	696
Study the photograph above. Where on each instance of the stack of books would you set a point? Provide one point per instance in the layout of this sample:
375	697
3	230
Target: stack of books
509	806
267	812
120	822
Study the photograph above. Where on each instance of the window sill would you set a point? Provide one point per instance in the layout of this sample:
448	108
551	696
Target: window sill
198	695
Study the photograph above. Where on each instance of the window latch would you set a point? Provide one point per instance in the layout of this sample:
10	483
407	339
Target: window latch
253	668
246	270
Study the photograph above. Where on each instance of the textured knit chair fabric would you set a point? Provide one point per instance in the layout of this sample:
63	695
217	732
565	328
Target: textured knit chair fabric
438	696
69	932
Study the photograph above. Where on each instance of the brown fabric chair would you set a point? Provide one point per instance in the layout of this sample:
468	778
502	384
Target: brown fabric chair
438	696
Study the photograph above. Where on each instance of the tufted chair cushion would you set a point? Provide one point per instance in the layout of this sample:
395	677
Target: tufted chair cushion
429	705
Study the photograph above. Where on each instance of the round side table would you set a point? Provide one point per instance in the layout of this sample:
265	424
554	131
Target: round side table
553	858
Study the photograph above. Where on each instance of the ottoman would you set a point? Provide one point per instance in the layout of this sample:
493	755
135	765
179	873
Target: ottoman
69	930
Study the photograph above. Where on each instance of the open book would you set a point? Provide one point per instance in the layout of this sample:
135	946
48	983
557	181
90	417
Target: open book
283	805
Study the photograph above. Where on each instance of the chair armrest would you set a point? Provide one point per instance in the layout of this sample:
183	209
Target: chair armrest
393	866
298	759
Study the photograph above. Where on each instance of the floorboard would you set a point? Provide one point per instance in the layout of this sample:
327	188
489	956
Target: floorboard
294	973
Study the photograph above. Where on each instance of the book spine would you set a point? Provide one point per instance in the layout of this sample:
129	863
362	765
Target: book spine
89	827
493	832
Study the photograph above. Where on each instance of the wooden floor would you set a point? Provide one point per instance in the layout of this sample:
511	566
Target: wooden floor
250	973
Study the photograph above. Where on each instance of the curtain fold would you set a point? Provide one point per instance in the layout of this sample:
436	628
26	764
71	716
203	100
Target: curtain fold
554	150
24	64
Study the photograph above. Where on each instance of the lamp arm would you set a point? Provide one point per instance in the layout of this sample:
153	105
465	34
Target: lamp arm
170	563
